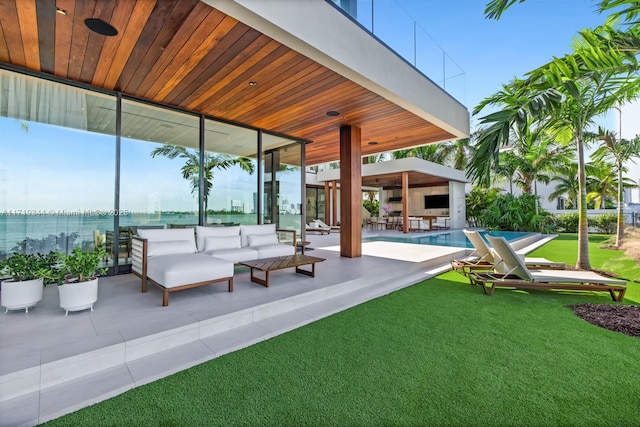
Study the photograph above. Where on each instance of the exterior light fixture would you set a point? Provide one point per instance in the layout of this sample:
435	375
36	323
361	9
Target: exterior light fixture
101	27
333	113
253	83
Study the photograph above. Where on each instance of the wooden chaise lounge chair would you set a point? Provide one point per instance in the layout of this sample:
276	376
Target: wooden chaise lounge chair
483	258
315	227
518	276
335	228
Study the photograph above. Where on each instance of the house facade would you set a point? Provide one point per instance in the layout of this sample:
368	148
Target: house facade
131	114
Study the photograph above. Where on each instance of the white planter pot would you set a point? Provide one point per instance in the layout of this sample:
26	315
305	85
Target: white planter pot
78	296
21	295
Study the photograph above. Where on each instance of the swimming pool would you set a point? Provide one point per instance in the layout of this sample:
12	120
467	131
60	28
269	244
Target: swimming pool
454	238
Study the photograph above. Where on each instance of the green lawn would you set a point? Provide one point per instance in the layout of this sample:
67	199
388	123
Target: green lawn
437	353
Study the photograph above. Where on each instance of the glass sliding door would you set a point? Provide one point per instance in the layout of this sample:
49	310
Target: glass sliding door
230	172
57	168
282	182
315	203
63	173
159	171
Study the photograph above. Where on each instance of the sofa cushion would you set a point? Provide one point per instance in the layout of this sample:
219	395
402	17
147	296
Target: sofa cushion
203	232
181	269
270	251
234	255
246	230
226	242
169	235
170	247
262	239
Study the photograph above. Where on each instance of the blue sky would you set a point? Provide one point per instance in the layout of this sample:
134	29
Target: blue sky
494	52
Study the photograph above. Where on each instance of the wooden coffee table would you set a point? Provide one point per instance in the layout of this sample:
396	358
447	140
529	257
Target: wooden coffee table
278	263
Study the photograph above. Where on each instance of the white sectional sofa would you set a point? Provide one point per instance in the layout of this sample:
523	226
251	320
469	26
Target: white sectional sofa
174	259
244	242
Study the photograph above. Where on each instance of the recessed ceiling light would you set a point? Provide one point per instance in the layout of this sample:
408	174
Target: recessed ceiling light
373	143
333	113
100	27
253	83
61	11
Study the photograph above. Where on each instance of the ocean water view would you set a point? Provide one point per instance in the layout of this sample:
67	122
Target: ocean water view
62	230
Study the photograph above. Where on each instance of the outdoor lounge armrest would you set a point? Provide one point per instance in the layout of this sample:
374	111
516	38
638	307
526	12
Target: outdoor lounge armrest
286	231
139	248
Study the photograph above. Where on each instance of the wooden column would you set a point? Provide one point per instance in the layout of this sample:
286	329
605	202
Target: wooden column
405	201
327	202
350	192
334	203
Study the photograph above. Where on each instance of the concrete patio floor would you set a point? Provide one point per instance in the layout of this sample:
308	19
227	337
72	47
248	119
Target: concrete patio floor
51	365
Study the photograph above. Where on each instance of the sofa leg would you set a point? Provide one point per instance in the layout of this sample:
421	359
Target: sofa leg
230	284
165	297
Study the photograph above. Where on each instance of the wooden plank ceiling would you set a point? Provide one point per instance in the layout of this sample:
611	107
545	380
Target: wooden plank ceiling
186	54
392	181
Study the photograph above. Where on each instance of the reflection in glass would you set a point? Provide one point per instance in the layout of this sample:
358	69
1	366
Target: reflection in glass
230	174
315	203
282	182
57	166
159	173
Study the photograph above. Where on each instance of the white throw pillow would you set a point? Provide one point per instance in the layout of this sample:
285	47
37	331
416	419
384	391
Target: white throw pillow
246	230
166	235
170	247
262	239
203	232
226	242
169	235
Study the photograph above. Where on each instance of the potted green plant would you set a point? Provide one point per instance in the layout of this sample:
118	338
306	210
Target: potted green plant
24	287
78	279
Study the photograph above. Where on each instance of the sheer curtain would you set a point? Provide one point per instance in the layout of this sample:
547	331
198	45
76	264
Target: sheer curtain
37	100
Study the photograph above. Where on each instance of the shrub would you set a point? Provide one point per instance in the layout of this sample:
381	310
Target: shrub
23	267
517	213
372	206
477	201
567	223
604	223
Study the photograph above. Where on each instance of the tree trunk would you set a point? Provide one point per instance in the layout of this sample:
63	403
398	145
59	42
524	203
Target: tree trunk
583	225
620	228
535	193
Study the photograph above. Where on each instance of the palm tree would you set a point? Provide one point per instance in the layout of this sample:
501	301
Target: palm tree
618	151
626	8
597	75
375	158
458	152
506	167
593	96
568	106
601	184
567	183
430	152
454	153
191	168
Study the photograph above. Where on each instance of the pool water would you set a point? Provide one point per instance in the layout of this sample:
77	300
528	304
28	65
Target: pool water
454	238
